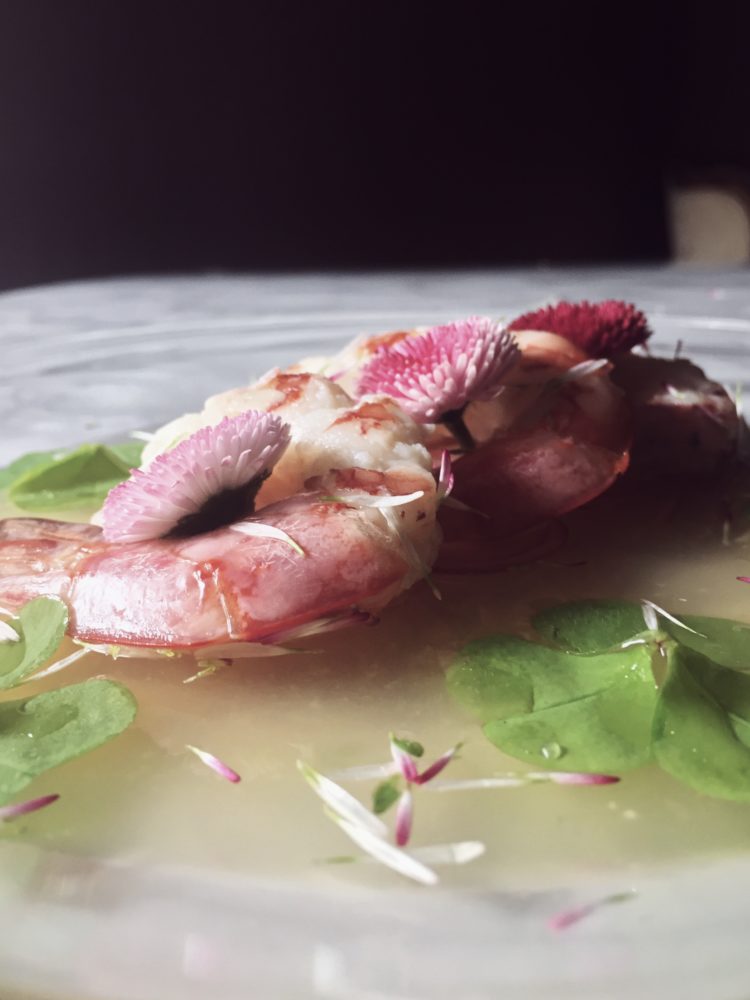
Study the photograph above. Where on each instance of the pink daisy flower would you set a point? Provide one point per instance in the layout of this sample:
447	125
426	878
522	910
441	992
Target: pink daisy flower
434	375
208	480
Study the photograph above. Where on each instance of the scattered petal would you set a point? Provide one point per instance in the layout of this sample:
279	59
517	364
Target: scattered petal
404	818
566	918
744	579
230	459
58	665
22	808
404	761
8	633
523	780
352	617
581	370
413	557
602	329
474	784
393	857
256	529
378	502
573	778
441	370
459	853
669	617
367	772
446	478
215	764
344	805
437	766
650	617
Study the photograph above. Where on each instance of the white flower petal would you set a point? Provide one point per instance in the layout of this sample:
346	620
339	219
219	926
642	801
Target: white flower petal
344	805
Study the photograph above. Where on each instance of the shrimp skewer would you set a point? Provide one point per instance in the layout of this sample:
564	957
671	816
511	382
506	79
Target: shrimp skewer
227	588
556	436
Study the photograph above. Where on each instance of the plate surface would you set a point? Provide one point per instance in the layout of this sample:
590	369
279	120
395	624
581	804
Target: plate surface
93	362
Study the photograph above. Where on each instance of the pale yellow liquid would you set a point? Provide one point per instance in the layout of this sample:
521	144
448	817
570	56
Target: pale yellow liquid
143	798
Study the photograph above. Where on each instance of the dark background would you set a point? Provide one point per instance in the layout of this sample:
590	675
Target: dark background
174	136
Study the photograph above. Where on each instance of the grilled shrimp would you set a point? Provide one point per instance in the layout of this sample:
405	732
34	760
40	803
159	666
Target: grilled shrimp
354	493
555	437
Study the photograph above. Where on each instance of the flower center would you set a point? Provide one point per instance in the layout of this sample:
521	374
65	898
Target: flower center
221	509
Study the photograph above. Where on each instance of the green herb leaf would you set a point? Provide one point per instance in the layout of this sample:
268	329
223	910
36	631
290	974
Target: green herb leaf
22	465
555	709
723	641
411	747
385	795
702	726
80	479
129	452
39	733
41	626
590	626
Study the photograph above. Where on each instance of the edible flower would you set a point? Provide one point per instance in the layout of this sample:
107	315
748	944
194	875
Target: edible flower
209	480
601	329
435	374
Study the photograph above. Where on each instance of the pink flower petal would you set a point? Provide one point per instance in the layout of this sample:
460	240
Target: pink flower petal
405	762
215	764
437	766
574	778
178	483
567	918
445	477
22	808
404	818
443	369
744	579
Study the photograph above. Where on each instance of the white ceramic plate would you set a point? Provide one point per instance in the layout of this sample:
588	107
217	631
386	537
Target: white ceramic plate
94	361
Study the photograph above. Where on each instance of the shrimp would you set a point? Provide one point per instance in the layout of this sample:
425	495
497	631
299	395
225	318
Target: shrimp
555	437
684	423
354	492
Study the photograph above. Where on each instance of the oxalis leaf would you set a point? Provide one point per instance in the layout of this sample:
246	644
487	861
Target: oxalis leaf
595	626
41	626
39	733
723	641
78	479
702	726
555	709
22	465
589	626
